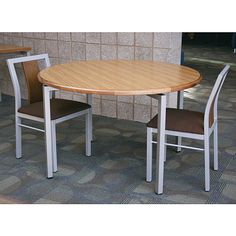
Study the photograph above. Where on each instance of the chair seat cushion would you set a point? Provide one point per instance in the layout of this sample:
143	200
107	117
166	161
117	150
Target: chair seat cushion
181	120
59	108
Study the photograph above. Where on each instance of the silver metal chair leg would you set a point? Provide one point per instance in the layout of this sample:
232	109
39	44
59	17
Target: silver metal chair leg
48	131
207	162
165	148
88	135
18	137
179	142
216	146
54	147
149	156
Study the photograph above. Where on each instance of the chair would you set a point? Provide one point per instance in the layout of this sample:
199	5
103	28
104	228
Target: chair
191	124
61	109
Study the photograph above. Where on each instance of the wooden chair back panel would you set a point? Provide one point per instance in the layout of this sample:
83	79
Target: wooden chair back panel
31	70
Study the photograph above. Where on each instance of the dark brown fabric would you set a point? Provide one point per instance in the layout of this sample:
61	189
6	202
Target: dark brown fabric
181	120
31	70
59	108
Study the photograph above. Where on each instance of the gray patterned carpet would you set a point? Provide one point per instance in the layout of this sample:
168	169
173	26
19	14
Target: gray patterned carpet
116	171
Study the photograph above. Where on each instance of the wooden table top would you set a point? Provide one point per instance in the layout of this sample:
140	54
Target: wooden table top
12	49
119	77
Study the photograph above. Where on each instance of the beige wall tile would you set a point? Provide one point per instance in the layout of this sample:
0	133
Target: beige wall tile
39	35
125	53
93	37
109	108
154	102
52	48
39	46
143	53
172	100
28	34
96	105
63	60
160	54
142	113
108	97
143	39
79	97
127	99
1	38
78	37
51	35
92	51
17	34
54	61
7	39
125	111
66	95
78	51
109	38
65	36
108	52
145	100
125	39
28	43
17	41
154	111
64	50
176	40
174	56
162	40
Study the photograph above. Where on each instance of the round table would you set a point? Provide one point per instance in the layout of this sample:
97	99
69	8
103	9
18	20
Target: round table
122	78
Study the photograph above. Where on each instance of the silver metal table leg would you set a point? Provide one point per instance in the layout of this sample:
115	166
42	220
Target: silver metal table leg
160	144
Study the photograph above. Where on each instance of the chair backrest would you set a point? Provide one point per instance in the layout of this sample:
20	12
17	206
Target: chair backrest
210	115
31	69
35	92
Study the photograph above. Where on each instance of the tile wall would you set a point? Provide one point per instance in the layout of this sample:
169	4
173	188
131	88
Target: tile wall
64	47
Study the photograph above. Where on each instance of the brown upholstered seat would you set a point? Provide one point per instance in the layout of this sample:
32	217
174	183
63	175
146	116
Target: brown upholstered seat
59	108
181	120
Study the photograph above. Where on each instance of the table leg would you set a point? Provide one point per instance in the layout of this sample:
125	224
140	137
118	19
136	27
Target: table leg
180	105
48	130
90	101
160	144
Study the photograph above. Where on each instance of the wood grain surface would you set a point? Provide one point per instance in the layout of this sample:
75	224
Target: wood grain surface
120	77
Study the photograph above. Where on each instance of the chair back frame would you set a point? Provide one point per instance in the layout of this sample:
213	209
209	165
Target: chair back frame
14	78
213	98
